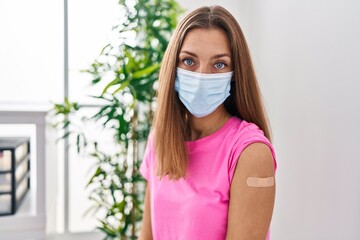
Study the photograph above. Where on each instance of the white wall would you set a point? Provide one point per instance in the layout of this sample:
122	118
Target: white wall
235	7
306	55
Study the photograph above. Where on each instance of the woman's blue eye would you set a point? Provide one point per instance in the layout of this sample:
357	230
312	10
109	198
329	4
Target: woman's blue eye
188	62
220	65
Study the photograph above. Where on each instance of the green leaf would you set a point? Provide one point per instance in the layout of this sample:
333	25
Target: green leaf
96	80
105	48
146	71
106	229
122	86
97	173
100	113
112	83
78	143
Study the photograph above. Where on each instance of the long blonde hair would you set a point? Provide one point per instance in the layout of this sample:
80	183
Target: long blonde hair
170	122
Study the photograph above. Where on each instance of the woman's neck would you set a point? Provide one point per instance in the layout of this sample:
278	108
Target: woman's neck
202	127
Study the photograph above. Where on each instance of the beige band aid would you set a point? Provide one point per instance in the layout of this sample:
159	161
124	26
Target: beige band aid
260	182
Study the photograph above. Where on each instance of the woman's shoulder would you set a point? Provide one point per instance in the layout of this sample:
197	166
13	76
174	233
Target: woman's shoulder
245	134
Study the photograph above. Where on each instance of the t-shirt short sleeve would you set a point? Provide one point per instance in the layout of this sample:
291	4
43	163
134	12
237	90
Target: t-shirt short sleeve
145	165
250	134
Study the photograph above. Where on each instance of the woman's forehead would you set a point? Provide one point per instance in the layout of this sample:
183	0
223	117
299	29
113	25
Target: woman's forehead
201	40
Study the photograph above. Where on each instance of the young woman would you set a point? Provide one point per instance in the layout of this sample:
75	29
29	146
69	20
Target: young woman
209	163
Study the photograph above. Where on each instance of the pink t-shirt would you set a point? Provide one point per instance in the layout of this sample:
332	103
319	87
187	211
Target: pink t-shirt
197	207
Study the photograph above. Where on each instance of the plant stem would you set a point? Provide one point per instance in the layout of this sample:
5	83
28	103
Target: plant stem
134	122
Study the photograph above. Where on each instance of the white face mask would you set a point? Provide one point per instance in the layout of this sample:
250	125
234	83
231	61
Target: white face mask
202	93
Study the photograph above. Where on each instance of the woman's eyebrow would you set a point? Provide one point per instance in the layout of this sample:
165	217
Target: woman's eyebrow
190	53
213	57
221	55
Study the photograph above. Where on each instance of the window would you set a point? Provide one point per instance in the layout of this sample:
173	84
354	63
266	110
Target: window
32	56
31	52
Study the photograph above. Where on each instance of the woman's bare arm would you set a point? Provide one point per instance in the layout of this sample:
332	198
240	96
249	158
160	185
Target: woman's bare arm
146	233
251	208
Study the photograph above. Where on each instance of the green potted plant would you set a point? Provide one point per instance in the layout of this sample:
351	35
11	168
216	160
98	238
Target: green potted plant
129	97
